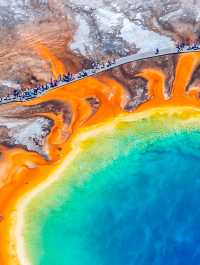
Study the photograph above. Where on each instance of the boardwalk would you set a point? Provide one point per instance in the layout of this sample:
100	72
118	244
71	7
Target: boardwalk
101	68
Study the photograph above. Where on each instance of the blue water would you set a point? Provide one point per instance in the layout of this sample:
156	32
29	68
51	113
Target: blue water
140	206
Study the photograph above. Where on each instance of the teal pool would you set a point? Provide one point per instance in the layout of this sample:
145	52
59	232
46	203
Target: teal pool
131	197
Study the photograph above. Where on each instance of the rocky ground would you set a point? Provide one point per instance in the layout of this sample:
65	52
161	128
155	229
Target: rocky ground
78	31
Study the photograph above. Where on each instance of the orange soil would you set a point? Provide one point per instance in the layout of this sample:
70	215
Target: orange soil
21	170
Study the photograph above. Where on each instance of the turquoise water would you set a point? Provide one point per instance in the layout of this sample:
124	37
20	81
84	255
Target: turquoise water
127	199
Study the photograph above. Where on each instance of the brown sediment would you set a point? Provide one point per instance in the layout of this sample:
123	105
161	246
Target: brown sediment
127	73
81	104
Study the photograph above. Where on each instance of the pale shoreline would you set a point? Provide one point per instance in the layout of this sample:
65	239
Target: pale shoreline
18	219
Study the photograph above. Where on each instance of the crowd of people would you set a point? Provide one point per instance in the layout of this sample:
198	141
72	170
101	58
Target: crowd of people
184	46
30	93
